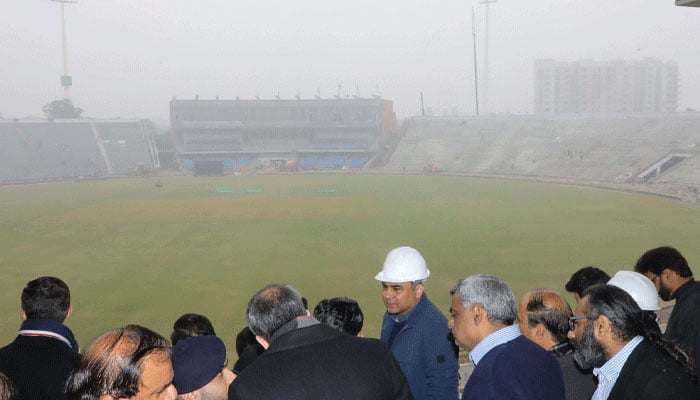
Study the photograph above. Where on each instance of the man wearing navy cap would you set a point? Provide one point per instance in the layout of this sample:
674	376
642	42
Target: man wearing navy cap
199	363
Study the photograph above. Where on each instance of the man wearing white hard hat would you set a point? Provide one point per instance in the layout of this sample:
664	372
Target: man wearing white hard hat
414	328
644	294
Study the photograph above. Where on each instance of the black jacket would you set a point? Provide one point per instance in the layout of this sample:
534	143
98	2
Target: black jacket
683	326
318	362
578	384
39	366
651	374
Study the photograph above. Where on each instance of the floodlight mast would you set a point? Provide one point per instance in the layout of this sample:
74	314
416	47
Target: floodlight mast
66	80
476	73
486	56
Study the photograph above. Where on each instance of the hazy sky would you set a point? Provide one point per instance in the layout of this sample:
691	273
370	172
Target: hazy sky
128	58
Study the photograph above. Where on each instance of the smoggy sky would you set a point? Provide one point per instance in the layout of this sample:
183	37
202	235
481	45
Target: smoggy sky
128	58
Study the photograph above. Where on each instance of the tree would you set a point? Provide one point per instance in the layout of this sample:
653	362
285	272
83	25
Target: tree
61	109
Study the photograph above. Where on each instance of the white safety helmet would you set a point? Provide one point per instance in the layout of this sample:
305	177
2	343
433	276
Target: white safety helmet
639	287
403	264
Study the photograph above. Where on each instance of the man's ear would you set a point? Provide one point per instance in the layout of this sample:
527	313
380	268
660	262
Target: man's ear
419	290
264	343
478	313
540	332
22	314
601	327
70	311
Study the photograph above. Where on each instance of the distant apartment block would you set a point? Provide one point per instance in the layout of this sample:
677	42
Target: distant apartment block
619	86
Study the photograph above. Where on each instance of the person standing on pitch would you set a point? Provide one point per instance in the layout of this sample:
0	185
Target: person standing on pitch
414	328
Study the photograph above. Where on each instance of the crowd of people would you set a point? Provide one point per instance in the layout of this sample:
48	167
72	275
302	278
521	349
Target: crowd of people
610	346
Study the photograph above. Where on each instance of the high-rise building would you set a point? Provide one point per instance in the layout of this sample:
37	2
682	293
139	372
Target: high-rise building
618	86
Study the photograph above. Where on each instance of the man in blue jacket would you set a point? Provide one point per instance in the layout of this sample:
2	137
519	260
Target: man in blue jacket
506	364
415	330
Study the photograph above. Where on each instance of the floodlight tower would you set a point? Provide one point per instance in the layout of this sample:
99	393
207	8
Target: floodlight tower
476	72
486	55
66	80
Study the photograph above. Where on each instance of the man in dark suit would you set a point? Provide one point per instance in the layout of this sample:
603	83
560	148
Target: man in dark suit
543	317
630	360
305	359
45	351
669	271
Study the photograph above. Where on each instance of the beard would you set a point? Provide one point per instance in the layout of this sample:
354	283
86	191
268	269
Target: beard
664	292
589	353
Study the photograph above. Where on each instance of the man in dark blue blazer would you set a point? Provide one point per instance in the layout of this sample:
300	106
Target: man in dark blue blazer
507	365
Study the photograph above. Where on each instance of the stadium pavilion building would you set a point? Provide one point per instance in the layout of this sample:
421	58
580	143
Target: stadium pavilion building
212	136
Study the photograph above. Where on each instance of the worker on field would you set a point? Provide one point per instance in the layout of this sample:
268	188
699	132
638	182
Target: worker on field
414	329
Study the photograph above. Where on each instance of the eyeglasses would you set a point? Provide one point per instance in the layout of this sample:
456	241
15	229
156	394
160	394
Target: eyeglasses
572	320
653	280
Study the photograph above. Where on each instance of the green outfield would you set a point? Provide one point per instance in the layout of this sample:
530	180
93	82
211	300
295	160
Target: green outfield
136	253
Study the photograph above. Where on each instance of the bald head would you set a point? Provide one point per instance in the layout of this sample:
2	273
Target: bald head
123	363
543	317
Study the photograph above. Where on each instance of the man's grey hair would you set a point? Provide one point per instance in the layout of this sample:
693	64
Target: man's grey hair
418	282
492	293
272	307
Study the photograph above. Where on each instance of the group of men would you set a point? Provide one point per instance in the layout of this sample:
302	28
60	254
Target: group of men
609	347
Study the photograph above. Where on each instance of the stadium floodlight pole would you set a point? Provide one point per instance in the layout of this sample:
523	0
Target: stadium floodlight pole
66	80
486	56
476	75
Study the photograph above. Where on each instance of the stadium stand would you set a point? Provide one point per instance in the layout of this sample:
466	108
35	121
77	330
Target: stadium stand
40	149
608	149
283	134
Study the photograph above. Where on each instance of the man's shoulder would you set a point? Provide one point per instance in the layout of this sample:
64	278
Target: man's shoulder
428	313
16	347
647	357
694	293
520	351
651	368
36	349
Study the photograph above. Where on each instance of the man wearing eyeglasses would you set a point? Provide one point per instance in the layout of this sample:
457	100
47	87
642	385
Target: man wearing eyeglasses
543	317
506	364
629	360
670	273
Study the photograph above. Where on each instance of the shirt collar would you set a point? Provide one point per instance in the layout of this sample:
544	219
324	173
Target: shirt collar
49	328
501	336
611	369
561	349
296	323
403	318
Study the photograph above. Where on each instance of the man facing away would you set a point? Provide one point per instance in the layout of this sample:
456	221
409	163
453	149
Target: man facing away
341	313
506	364
543	317
584	278
305	359
669	271
630	361
199	365
45	351
414	329
127	363
191	324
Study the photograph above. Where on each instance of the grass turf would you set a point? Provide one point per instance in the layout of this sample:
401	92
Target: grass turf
135	253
